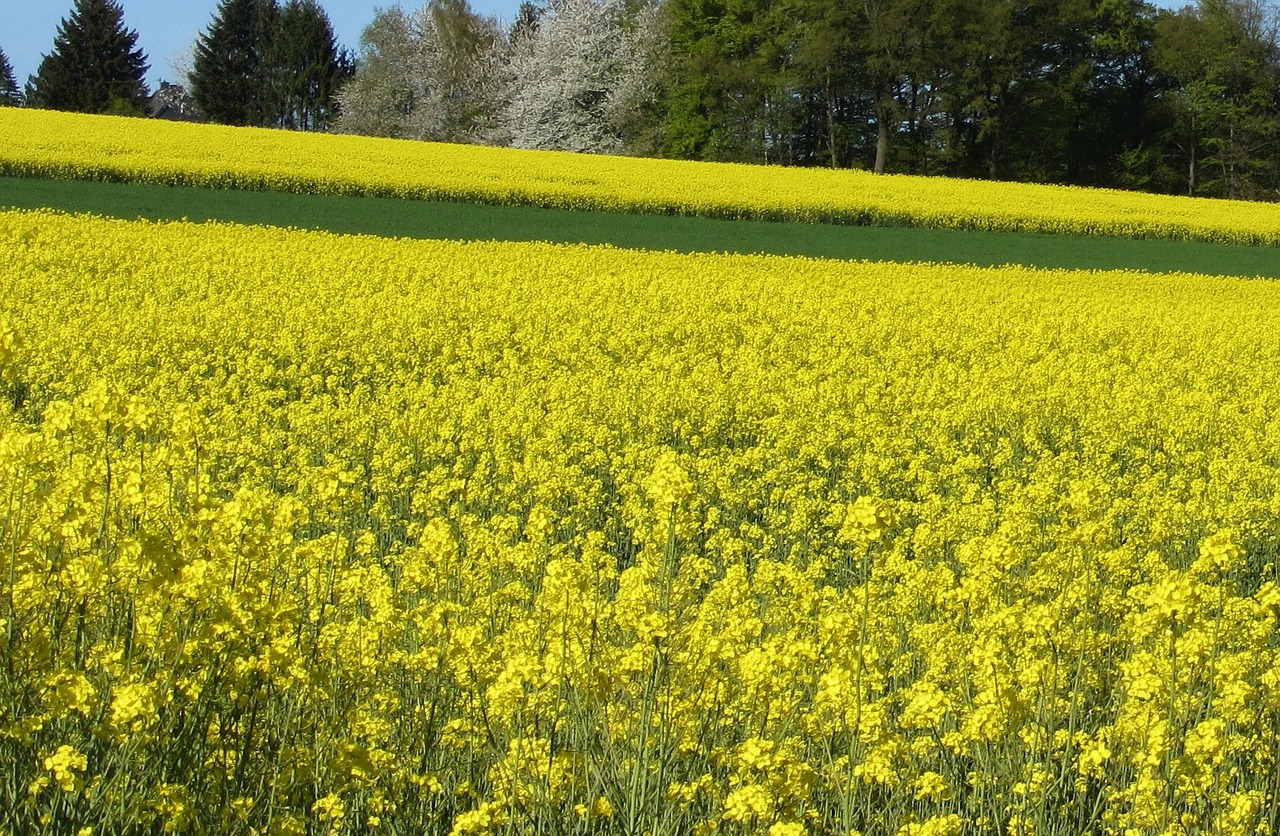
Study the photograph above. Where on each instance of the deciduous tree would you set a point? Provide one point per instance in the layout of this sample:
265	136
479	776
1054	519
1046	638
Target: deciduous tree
889	44
578	79
381	95
432	74
717	97
1223	59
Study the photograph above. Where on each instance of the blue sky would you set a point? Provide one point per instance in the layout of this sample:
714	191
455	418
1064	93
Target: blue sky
167	28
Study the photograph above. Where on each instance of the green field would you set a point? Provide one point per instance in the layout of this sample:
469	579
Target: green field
465	221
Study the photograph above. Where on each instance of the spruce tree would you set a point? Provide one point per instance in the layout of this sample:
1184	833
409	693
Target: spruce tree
9	93
232	80
263	64
308	65
95	65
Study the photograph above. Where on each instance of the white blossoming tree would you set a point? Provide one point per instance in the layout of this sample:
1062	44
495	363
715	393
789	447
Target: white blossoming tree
581	77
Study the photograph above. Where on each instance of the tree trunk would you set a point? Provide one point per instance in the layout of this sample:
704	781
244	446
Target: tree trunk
1229	164
831	123
993	160
1191	168
882	138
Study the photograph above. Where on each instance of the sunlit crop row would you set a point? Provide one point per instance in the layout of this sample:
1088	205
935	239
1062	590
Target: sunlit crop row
42	143
310	533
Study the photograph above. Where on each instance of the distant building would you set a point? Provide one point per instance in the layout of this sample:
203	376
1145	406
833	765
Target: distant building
173	102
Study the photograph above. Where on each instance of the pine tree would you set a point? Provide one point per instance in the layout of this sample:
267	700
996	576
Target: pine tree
95	66
232	80
9	93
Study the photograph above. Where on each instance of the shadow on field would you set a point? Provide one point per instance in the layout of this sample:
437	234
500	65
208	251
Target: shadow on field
468	221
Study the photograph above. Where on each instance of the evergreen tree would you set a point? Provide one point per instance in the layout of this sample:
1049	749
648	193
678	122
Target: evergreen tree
260	63
95	66
9	93
309	66
231	79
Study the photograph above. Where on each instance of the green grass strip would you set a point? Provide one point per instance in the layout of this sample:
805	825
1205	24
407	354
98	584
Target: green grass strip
389	217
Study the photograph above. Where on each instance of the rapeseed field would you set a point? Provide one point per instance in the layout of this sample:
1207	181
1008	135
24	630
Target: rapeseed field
304	533
62	145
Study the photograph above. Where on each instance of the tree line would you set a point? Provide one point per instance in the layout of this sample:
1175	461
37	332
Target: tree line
1112	93
259	62
1089	92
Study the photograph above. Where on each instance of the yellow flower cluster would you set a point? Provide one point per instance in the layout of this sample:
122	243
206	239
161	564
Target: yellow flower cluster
62	145
315	534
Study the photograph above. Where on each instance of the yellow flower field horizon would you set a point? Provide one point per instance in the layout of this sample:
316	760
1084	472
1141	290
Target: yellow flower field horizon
62	145
308	533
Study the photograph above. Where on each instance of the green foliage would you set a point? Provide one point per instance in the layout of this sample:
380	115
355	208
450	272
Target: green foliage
9	92
1089	92
1112	138
730	96
230	80
309	65
1222	60
262	64
95	65
894	85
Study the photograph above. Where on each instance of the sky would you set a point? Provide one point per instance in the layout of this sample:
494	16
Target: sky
167	28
